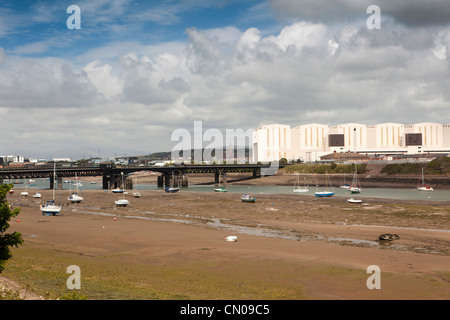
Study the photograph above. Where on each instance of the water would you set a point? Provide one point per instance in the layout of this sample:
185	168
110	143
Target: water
386	193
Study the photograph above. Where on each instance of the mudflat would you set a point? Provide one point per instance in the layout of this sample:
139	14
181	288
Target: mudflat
289	247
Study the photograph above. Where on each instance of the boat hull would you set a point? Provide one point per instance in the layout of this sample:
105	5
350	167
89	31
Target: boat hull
171	190
50	209
323	194
122	203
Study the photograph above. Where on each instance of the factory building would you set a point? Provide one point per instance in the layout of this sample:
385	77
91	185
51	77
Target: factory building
310	142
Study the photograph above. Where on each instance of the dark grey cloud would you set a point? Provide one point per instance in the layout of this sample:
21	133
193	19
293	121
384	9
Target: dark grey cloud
413	13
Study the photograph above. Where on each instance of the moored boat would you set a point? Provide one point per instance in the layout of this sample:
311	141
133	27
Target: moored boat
248	198
50	207
326	193
423	186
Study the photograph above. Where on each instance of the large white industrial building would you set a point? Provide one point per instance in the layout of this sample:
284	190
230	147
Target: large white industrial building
309	142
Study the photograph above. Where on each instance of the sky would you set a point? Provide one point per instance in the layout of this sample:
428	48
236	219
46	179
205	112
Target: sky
136	71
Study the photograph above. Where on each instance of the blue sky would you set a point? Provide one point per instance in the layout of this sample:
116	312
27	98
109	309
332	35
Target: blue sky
137	71
38	28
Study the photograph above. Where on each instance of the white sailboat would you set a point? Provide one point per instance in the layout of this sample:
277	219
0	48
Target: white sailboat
75	197
122	202
136	194
298	188
25	193
50	207
422	186
355	187
326	193
220	188
345	185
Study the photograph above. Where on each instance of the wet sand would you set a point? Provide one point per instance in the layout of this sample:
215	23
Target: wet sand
289	246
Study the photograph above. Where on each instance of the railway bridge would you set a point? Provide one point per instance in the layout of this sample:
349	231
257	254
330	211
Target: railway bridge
111	174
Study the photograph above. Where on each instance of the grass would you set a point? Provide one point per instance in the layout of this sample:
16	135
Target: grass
438	166
323	168
107	278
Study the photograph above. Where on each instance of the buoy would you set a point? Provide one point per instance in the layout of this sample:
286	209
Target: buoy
18	220
115	219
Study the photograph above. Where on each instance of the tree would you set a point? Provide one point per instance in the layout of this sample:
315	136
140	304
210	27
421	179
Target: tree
7	240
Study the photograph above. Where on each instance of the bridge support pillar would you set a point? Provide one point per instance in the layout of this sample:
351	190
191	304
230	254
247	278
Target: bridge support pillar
105	181
217	178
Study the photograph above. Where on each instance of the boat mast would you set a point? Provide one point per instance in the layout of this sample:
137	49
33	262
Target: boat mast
54	180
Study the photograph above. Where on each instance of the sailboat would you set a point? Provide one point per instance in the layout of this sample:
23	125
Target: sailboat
325	193
345	185
122	202
50	207
355	187
298	188
172	189
25	193
75	197
423	186
220	188
136	194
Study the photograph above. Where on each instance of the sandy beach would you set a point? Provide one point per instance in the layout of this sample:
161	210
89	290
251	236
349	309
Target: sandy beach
171	246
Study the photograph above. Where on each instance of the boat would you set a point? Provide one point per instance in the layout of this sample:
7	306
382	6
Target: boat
344	185
422	186
136	194
172	189
352	200
50	207
220	188
11	191
25	193
37	195
355	187
122	202
117	190
326	193
298	188
75	197
247	198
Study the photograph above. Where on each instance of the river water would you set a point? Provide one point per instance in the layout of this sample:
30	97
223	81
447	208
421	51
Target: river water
387	193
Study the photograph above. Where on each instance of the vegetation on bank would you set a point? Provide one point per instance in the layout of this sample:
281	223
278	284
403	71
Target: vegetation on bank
324	168
7	240
438	166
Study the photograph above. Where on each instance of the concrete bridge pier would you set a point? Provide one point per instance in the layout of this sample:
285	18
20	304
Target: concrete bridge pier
166	180
217	175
